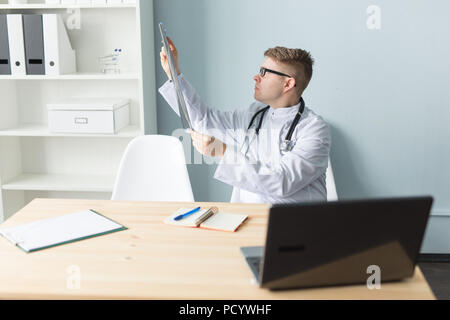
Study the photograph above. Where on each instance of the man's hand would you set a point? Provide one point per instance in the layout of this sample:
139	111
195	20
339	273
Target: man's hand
165	62
208	146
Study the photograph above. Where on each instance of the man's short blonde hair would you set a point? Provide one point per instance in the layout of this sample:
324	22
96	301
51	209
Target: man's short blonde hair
301	60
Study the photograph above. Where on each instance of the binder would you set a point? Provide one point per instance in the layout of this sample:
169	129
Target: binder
16	44
58	53
5	63
34	44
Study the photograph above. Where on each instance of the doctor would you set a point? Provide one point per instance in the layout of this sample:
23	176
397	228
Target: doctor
274	151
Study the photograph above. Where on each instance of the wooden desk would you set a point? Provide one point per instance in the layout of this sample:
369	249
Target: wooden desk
152	260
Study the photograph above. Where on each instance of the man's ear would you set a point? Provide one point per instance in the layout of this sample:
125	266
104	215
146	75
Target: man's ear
290	84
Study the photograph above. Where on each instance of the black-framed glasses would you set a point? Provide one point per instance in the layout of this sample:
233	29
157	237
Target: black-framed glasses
263	71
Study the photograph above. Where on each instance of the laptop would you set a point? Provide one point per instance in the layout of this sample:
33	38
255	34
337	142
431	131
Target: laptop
339	243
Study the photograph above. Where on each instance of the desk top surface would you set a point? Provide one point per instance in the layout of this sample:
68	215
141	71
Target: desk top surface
152	260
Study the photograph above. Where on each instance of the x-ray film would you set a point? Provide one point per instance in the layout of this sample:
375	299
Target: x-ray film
186	122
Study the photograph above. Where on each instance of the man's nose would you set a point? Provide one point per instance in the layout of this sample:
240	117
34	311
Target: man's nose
257	78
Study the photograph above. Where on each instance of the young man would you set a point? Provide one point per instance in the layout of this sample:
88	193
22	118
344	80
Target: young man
274	151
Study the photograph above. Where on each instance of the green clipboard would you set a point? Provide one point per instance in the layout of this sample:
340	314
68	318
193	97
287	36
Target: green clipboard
48	233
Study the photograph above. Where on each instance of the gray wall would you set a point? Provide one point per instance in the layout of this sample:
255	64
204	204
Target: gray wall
386	93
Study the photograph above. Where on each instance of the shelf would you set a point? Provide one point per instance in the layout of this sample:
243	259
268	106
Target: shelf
35	162
37	130
35	6
57	182
78	76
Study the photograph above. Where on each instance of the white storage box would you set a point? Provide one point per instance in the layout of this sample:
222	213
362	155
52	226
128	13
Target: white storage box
93	115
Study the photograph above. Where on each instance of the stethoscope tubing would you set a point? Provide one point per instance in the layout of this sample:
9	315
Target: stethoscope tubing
293	125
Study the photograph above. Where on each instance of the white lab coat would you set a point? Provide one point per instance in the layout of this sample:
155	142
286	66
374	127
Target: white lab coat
262	173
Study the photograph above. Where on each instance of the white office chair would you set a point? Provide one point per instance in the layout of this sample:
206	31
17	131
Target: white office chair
331	184
153	168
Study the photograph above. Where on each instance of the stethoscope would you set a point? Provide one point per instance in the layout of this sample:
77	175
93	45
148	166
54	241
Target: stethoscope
287	145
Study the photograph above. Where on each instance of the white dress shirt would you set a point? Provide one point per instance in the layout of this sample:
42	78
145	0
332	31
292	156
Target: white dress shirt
256	167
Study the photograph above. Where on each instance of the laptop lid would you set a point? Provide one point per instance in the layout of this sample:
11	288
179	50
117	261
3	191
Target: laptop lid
336	243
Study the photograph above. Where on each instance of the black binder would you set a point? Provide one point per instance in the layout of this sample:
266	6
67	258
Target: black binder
34	44
5	61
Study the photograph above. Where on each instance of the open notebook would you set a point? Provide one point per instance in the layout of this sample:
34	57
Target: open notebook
52	232
219	221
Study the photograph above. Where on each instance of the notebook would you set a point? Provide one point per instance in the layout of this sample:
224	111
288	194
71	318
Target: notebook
219	221
61	230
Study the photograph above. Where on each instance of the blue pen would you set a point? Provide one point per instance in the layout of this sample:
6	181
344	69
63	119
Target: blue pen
187	214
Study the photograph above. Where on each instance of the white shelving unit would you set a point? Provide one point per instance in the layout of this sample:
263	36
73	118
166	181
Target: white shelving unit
40	5
37	163
78	76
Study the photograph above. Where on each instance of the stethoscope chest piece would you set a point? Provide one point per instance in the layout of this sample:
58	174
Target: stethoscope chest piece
287	146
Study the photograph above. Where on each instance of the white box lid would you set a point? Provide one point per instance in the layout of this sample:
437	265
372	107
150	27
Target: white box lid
91	104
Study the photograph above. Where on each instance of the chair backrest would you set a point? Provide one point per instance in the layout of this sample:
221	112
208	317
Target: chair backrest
331	184
153	168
